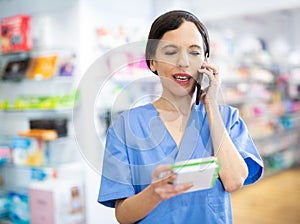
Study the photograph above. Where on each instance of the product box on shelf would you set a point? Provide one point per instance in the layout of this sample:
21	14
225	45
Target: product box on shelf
44	135
56	201
15	69
19	207
67	66
27	151
5	154
60	125
15	34
30	147
42	67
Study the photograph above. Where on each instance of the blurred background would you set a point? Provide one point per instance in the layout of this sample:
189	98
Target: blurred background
65	76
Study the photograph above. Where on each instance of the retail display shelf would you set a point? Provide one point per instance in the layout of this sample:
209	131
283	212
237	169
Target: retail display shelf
55	65
253	118
279	161
293	117
27	167
277	142
63	110
52	166
55	79
234	81
38	51
235	101
238	101
15	54
5	139
39	112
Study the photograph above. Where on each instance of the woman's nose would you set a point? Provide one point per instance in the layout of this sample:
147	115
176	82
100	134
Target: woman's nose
183	60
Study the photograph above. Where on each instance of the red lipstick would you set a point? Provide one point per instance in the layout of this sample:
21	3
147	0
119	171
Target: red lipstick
182	78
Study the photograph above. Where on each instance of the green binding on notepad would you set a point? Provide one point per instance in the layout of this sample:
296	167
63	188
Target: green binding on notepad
189	163
202	172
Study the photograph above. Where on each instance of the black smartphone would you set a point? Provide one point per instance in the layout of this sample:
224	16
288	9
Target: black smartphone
200	85
198	88
198	93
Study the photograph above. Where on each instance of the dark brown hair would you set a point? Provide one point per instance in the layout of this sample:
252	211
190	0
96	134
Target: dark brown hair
171	21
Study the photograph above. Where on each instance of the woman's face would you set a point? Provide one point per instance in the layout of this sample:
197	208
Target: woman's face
178	57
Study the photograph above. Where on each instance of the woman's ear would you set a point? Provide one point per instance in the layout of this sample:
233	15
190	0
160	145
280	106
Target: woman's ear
153	65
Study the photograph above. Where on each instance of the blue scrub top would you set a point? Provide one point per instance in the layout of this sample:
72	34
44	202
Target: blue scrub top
138	142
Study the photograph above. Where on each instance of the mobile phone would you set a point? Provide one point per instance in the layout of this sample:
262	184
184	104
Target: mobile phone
200	85
198	92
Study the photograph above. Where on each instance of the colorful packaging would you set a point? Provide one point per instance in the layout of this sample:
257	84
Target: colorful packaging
15	70
28	151
15	34
55	201
67	67
42	67
5	154
19	208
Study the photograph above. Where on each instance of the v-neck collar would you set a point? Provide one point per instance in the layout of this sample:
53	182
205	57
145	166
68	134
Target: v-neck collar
167	130
190	139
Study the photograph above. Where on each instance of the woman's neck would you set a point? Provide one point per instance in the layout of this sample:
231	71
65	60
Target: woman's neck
181	105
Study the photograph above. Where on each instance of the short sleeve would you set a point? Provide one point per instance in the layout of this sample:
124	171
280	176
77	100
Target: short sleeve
242	140
116	181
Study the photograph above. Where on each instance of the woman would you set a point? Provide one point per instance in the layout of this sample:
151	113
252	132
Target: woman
144	141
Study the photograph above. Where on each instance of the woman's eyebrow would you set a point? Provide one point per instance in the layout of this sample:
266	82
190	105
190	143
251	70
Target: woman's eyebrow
168	46
175	46
196	46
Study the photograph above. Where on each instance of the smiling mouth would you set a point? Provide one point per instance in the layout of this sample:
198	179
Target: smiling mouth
182	77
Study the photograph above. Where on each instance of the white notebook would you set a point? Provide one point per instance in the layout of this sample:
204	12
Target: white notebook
202	172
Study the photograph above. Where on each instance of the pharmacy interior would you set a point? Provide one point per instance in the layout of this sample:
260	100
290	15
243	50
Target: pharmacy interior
55	105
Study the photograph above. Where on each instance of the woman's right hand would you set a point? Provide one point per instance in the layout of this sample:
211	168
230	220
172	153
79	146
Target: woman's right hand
210	93
162	183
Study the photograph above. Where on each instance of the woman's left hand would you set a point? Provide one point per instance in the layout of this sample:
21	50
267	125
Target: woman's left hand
210	93
162	183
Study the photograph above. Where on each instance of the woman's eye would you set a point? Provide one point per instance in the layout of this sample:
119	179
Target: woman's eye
195	53
170	52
